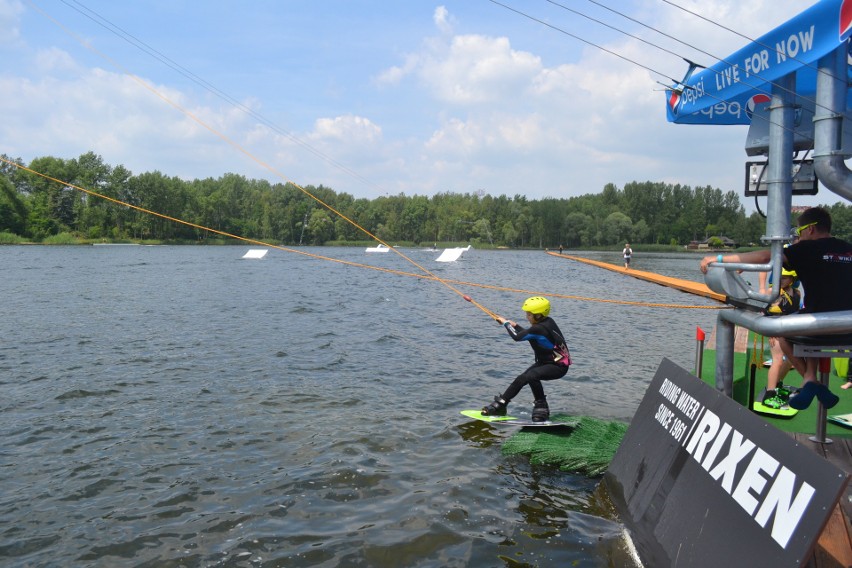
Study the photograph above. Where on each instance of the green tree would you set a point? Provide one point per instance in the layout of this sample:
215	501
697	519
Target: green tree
578	230
94	215
510	235
640	232
482	228
663	213
161	195
841	220
320	227
13	211
617	228
51	203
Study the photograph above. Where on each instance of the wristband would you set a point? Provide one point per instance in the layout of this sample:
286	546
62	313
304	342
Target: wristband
505	324
719	258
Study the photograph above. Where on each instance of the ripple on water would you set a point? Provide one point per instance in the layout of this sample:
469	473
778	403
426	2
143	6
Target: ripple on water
311	419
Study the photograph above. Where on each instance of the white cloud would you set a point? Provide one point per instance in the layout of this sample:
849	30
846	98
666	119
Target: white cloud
455	138
442	20
601	118
476	69
355	130
454	111
394	75
111	115
54	60
10	15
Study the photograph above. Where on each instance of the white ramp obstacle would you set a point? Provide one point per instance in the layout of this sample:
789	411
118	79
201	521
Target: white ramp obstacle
256	253
451	254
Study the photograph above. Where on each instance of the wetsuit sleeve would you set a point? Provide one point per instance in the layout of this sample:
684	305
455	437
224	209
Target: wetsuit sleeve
535	334
515	332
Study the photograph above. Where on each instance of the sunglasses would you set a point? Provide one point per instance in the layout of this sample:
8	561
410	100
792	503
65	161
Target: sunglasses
803	227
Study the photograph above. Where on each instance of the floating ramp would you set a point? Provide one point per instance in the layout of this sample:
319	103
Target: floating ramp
255	253
378	248
689	286
451	254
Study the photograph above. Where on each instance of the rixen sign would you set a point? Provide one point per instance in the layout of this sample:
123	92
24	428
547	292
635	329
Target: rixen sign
756	480
701	481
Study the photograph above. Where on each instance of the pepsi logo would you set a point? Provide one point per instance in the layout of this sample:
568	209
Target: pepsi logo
674	99
758	99
845	19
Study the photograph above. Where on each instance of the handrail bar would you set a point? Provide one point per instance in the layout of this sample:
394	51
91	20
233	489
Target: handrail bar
822	323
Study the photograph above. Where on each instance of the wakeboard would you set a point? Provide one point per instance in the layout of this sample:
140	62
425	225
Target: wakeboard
842	419
508	420
783	412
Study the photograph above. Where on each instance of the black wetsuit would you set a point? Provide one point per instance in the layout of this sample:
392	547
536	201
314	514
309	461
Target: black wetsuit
787	304
543	336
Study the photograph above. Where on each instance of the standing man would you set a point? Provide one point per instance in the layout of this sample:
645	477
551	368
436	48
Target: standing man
824	266
627	253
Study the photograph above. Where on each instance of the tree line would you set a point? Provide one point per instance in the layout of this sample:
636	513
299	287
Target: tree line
36	208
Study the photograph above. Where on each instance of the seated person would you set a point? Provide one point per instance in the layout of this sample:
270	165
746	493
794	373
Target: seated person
824	265
788	302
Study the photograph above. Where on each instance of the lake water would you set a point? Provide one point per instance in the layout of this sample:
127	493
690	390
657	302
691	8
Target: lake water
179	406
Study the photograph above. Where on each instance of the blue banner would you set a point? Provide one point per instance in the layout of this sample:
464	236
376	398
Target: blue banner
727	92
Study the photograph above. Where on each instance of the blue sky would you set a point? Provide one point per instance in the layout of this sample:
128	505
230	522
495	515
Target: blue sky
374	97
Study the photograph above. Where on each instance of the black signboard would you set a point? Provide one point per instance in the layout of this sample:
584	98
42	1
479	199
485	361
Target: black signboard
701	481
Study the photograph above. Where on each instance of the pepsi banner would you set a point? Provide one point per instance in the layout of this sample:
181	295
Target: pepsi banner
701	481
727	92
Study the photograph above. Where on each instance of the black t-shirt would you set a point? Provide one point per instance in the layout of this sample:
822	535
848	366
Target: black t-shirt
825	268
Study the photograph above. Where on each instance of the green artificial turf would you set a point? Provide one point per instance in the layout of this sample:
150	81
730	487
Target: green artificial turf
805	421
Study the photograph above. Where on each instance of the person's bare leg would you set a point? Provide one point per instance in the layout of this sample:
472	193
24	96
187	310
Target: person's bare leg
798	363
780	366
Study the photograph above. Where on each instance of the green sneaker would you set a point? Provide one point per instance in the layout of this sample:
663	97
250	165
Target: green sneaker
775	402
786	391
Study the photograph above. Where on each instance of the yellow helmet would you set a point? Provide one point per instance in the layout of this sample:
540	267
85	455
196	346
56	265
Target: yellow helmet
537	305
790	273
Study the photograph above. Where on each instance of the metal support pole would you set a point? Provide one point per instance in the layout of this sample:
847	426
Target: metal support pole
724	356
779	170
829	154
822	413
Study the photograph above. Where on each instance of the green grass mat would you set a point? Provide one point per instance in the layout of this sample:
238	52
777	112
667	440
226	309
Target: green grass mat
586	446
